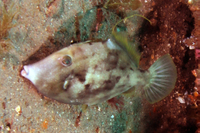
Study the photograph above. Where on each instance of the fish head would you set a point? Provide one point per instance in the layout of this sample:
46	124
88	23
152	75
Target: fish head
54	74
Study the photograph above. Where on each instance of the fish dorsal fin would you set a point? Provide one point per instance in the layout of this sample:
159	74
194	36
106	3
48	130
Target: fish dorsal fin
122	40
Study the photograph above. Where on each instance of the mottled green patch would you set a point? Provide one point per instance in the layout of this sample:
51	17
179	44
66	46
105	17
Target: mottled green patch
129	118
120	123
136	117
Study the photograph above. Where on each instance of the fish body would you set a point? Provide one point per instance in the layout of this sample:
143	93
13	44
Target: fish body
93	72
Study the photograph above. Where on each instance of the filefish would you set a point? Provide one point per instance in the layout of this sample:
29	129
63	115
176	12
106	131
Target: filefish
93	72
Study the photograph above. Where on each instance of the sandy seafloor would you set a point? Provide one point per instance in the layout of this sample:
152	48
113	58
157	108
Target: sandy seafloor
174	30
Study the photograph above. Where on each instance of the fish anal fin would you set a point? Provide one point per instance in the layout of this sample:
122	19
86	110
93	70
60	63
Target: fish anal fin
84	107
130	92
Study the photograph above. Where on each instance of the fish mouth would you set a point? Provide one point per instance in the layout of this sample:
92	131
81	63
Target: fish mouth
25	71
29	73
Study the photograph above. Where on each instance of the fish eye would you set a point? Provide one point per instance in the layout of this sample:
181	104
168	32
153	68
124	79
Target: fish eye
66	60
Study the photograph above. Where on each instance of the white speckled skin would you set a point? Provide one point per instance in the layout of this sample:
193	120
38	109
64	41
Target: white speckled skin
98	72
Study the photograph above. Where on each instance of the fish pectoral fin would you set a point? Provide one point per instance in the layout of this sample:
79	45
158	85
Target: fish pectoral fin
161	79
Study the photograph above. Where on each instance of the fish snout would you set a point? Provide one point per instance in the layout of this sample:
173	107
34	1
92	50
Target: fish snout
30	73
25	72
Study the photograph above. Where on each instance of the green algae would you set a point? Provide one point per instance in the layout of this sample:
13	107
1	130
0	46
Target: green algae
94	24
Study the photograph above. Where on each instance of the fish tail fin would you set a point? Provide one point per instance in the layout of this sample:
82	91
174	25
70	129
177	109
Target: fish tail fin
161	79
